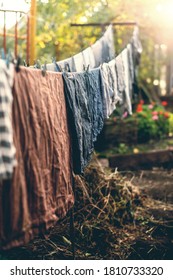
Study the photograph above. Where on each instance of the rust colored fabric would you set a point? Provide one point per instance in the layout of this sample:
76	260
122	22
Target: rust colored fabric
40	192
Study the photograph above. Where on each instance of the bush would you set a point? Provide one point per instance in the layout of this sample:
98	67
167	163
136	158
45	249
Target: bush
171	124
153	121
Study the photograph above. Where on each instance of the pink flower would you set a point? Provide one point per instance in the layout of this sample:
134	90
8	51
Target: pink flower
155	117
150	106
154	113
125	115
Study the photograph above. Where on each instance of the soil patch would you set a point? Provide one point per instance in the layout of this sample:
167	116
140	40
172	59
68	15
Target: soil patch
116	216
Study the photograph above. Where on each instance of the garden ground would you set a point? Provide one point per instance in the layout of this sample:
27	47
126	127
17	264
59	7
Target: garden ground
141	226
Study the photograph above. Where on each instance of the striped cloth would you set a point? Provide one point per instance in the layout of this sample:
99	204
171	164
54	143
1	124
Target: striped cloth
7	149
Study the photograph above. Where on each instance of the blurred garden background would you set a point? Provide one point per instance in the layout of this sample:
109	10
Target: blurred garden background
55	37
53	34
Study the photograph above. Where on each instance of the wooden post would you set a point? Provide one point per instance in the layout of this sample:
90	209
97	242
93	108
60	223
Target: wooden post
28	41
16	37
4	35
32	36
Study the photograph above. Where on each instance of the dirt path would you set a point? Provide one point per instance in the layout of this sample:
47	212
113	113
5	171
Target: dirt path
157	184
155	218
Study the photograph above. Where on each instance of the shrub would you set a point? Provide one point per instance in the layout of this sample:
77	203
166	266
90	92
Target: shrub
171	124
153	121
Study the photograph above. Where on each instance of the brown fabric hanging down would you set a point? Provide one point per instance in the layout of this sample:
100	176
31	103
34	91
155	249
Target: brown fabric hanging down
40	192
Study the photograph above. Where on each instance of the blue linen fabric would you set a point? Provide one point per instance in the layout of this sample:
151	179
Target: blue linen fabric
85	112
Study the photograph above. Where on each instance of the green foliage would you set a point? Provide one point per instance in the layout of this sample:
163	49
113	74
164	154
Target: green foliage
171	124
56	38
153	121
122	148
146	128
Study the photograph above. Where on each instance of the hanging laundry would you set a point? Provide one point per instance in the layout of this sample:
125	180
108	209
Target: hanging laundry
131	64
104	49
67	63
101	51
109	88
52	67
128	93
7	149
79	62
93	83
80	121
121	66
88	57
40	192
107	91
136	46
134	90
62	65
97	51
108	42
113	83
84	103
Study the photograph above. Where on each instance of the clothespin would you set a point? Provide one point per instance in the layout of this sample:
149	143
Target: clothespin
3	56
37	64
53	59
8	59
44	69
88	67
18	63
24	63
67	67
58	67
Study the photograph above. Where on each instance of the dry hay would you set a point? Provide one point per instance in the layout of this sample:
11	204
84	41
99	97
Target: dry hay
104	196
105	202
110	221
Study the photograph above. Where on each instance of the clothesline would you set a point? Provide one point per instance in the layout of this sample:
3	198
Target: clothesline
101	51
128	23
56	119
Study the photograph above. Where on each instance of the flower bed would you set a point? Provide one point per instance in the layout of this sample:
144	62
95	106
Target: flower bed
148	122
152	121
